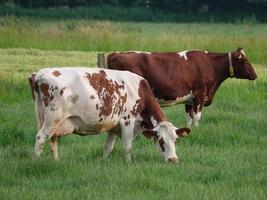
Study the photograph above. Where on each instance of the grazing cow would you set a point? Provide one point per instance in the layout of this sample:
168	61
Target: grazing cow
189	77
87	101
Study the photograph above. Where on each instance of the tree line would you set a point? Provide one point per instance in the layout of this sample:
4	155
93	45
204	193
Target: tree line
141	10
168	5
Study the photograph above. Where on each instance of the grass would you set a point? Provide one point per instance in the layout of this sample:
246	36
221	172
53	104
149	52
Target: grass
225	158
86	35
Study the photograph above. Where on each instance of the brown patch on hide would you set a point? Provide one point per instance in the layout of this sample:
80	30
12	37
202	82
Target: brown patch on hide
126	120
33	85
46	96
148	106
161	144
62	91
136	108
109	93
56	73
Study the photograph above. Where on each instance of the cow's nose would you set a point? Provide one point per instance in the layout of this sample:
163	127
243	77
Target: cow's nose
172	160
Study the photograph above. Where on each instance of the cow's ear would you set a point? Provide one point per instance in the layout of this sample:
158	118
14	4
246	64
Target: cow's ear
149	133
239	49
182	132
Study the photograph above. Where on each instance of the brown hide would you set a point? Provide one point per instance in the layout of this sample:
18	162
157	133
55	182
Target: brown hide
172	75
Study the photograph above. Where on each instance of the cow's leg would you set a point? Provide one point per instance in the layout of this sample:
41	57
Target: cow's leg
63	128
40	140
53	146
188	115
196	116
127	140
109	143
199	101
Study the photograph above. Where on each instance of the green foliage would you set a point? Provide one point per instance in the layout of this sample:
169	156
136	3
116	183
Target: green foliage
158	11
163	5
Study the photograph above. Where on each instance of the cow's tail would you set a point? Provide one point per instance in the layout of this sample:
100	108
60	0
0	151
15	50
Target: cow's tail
101	61
39	110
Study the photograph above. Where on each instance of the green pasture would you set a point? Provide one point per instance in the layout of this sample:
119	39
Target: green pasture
225	158
87	35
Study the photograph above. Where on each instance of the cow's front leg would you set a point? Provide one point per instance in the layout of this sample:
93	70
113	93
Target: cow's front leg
199	101
53	146
188	115
197	116
109	143
127	140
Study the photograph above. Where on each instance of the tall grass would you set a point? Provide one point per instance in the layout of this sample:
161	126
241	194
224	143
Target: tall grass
85	35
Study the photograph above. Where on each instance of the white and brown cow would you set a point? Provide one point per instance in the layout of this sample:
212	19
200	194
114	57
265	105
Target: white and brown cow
88	101
189	77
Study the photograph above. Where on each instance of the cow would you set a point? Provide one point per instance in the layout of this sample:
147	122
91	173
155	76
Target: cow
87	101
188	77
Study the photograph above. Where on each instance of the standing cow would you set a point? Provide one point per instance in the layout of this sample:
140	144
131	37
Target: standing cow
88	101
189	77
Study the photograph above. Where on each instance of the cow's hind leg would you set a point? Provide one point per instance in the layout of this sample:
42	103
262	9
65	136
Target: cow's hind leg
53	146
109	143
40	140
63	128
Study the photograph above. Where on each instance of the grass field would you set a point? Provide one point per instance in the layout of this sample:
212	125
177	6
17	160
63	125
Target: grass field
86	35
225	158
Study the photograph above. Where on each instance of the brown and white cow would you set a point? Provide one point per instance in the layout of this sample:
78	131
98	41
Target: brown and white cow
189	77
88	101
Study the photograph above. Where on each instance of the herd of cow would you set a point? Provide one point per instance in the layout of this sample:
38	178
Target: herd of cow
127	97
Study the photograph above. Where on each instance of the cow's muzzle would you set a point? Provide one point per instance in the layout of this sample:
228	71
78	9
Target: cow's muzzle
172	160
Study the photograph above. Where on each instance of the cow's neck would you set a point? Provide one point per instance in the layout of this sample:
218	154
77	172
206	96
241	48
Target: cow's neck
221	66
151	113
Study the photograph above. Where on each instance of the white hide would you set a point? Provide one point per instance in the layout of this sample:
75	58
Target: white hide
182	54
76	84
184	99
146	52
166	131
197	116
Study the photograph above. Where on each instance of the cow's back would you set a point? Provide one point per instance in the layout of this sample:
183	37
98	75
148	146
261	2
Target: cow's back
169	74
89	96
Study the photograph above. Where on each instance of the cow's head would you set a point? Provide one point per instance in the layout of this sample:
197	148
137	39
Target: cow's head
241	65
165	136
